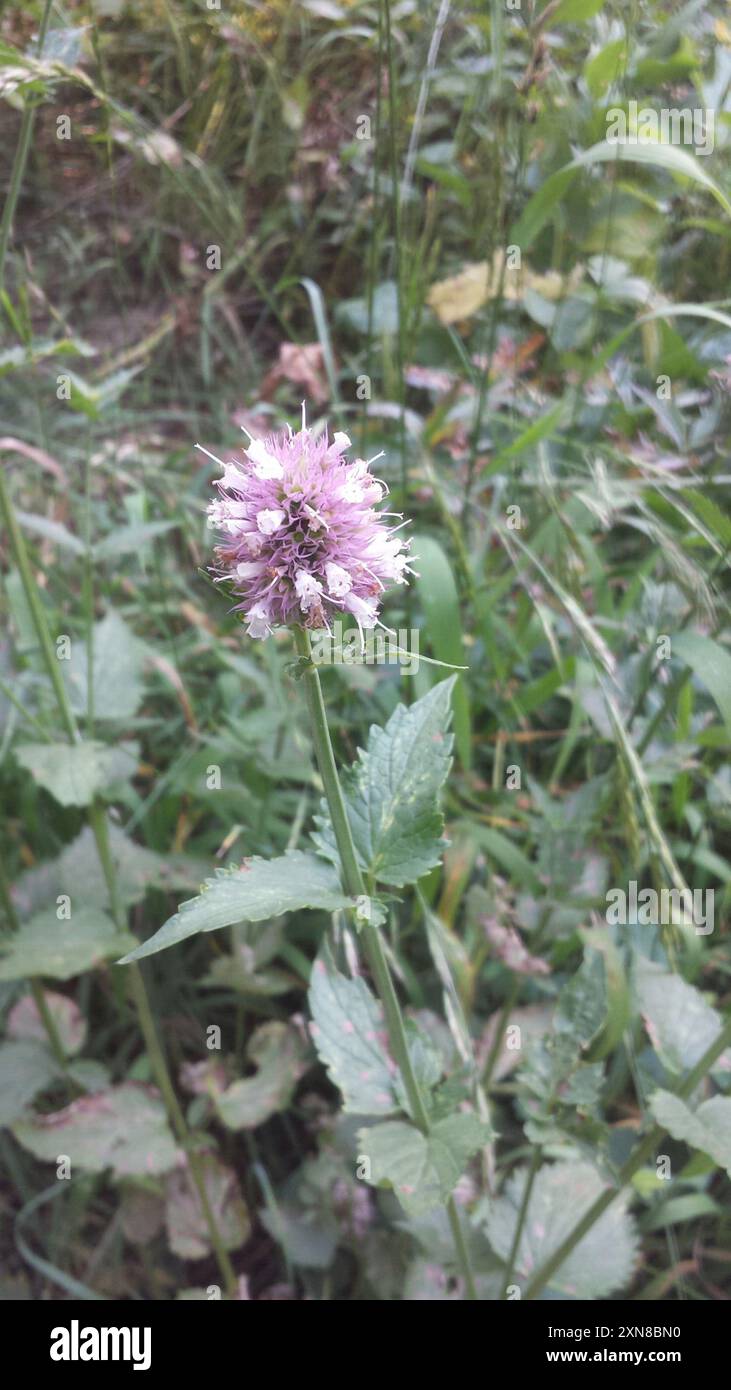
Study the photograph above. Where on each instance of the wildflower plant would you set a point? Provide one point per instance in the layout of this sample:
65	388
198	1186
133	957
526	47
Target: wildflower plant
301	540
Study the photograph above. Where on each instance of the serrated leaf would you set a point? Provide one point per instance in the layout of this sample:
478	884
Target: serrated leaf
277	1051
117	671
26	1068
261	888
72	772
602	1262
124	1128
392	791
187	1229
61	949
582	1003
422	1169
680	1024
349	1036
707	1128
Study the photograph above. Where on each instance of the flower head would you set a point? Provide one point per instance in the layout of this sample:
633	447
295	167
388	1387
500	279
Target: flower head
300	537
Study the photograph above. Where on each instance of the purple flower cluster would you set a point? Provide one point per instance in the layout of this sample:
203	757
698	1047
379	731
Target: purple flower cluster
300	537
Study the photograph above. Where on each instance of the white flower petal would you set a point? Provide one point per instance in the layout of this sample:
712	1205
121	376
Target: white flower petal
265	464
269	520
339	582
308	589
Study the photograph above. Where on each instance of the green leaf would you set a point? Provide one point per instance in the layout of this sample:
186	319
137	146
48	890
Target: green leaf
582	1004
348	1032
187	1229
124	1128
52	531
117	670
277	1051
261	888
24	1021
127	539
72	772
574	11
422	1169
677	161
606	66
680	1024
26	1067
440	600
602	1262
711	663
61	949
392	792
708	1128
136	869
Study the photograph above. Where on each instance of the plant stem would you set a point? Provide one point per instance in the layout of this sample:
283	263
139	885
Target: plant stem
644	1150
97	817
44	1012
21	155
522	1213
375	955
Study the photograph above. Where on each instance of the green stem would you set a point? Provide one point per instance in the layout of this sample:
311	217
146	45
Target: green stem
44	1012
522	1213
644	1150
100	828
373	946
97	817
37	613
21	156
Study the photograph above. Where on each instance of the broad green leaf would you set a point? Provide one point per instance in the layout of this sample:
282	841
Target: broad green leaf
574	11
26	1067
187	1229
602	1262
711	663
24	1021
261	888
671	157
128	539
349	1036
136	868
117	671
582	1003
440	600
422	1169
392	791
707	1128
52	531
680	1024
61	949
677	161
124	1128
72	772
277	1052
605	66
